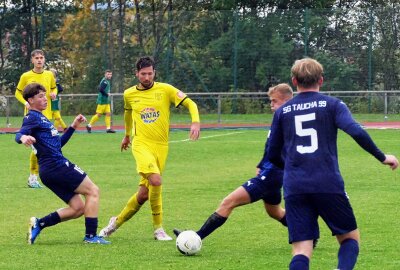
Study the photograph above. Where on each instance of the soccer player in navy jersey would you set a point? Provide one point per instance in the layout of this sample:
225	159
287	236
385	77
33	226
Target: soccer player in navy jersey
303	141
60	175
266	185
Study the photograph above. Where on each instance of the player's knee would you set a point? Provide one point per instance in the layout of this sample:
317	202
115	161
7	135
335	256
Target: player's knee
94	192
142	197
227	203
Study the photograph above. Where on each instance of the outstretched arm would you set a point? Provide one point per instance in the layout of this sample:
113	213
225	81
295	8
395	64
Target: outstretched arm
67	135
365	141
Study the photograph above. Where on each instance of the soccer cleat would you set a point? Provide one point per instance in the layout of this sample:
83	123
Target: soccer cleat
96	240
34	230
89	129
110	130
33	181
176	232
110	228
161	235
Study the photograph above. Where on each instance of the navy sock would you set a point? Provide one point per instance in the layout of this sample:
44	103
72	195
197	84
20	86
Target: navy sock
283	221
91	226
211	224
299	262
347	255
49	220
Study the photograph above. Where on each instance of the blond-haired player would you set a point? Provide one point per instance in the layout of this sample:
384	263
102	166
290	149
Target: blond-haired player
147	112
37	75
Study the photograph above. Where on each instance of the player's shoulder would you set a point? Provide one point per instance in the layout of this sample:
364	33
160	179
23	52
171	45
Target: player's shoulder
31	116
130	91
27	73
164	86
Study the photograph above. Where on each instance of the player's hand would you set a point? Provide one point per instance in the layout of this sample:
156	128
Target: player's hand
53	96
126	141
391	161
194	131
258	170
27	140
78	120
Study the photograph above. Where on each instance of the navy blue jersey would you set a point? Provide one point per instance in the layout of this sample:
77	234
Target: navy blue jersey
303	141
48	142
264	163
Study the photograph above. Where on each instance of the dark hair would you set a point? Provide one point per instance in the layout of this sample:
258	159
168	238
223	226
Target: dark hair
108	71
32	90
37	51
144	62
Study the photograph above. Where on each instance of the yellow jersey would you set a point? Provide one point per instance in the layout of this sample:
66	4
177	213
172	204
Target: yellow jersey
46	78
150	111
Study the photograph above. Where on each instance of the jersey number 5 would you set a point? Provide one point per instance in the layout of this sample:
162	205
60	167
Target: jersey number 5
303	132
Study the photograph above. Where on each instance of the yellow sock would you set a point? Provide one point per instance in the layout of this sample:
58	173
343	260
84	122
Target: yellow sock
33	164
93	120
62	123
155	199
129	210
56	123
108	121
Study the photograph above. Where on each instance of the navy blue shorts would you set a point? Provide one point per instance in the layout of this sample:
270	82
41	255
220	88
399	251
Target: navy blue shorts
303	210
64	180
266	186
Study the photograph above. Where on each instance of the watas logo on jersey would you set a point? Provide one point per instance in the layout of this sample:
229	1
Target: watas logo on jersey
149	115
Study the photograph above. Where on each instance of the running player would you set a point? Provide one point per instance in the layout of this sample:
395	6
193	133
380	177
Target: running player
39	75
305	131
59	174
147	111
103	103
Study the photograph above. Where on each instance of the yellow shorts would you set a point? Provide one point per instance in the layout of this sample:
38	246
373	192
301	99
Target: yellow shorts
103	108
56	114
150	158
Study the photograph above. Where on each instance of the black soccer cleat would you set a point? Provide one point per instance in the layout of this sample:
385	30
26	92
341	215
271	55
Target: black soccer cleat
89	129
110	130
176	232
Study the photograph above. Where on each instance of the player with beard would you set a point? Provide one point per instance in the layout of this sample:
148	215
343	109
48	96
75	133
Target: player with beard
147	113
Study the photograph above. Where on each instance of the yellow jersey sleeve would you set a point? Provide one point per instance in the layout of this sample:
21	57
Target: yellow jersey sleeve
20	87
192	107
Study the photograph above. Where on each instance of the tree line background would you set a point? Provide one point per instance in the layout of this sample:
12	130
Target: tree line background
203	46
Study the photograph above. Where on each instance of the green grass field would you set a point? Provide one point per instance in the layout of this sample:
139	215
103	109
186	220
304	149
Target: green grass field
197	177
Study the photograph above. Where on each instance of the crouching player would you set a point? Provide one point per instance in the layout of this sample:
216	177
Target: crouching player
61	176
266	185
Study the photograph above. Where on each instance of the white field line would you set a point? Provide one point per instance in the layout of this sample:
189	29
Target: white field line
208	137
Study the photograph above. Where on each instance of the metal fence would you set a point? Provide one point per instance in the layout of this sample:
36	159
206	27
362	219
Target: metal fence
240	106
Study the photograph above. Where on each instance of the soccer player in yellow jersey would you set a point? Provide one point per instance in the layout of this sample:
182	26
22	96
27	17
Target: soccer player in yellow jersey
147	113
45	78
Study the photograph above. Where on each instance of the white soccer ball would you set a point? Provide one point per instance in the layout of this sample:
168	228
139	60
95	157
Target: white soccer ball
188	243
